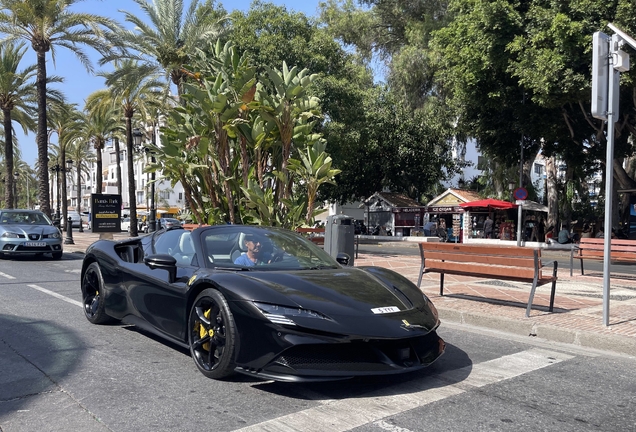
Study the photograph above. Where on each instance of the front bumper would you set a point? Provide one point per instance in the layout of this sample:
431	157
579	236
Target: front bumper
20	246
364	357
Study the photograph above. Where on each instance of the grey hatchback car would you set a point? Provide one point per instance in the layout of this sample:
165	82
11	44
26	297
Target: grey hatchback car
28	232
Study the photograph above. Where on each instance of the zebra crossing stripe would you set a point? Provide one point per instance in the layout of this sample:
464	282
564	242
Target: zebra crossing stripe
347	414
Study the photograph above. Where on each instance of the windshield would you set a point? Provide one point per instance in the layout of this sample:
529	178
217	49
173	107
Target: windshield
256	248
24	218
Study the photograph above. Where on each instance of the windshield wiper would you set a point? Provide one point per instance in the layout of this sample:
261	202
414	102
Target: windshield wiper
320	267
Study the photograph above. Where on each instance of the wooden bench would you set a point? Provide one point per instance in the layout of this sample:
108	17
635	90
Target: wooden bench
316	235
594	249
501	262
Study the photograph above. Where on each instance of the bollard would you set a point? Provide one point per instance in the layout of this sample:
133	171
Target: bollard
69	232
81	228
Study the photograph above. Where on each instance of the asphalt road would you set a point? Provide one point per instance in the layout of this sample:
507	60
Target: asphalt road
58	372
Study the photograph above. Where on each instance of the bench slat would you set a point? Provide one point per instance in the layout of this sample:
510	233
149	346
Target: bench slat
483	259
476	269
478	249
601	248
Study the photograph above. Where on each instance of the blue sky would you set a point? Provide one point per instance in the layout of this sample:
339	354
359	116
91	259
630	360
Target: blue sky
79	83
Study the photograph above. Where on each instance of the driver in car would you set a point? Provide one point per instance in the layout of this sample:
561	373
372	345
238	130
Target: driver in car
255	254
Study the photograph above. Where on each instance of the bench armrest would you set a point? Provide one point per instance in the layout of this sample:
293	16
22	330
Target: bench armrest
548	263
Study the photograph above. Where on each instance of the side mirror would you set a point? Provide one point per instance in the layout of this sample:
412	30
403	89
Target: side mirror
343	258
163	262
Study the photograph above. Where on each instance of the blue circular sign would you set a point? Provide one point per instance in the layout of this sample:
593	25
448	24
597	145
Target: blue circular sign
520	193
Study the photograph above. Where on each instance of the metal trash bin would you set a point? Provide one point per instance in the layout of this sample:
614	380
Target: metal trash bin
340	236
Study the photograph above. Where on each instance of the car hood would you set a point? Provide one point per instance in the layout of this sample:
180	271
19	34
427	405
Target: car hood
29	229
335	291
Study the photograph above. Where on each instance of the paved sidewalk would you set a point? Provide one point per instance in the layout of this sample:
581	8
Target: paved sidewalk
501	305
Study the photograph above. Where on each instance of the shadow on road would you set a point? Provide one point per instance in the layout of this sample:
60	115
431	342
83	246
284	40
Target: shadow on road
34	356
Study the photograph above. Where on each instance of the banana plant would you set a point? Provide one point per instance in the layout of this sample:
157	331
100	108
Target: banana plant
313	169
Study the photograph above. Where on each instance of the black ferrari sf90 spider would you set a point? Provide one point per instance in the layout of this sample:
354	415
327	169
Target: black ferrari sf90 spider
261	301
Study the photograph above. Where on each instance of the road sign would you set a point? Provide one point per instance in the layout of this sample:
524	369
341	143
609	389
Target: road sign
600	74
520	193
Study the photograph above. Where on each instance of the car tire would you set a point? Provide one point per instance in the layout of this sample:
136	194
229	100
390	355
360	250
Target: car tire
212	335
92	295
57	255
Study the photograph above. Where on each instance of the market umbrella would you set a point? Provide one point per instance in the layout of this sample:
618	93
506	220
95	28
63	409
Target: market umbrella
489	203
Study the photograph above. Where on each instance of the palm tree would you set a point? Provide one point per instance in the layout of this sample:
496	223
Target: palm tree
46	24
25	179
83	157
99	123
17	102
170	35
135	90
65	120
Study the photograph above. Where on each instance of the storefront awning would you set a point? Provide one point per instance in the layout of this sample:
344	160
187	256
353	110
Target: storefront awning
489	203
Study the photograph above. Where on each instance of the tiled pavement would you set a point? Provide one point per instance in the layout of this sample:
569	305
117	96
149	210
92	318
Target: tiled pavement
501	305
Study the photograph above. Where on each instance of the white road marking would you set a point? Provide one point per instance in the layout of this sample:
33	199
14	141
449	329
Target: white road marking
6	276
76	271
347	414
56	295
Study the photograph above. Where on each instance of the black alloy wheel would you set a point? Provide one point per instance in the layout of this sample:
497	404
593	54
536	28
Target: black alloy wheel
212	335
92	295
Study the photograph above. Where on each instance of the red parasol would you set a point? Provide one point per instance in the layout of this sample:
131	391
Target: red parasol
490	203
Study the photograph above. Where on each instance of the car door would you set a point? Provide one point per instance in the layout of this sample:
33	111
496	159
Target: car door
154	298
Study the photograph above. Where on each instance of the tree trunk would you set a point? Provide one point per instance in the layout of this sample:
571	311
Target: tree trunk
132	204
118	160
8	156
98	163
42	137
64	194
79	189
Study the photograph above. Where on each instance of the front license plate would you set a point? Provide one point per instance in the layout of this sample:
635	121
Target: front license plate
35	244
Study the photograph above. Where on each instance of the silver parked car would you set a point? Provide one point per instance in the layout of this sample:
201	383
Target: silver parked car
76	219
28	232
162	223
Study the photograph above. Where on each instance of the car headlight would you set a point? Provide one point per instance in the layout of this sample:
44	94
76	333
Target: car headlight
285	314
55	235
10	235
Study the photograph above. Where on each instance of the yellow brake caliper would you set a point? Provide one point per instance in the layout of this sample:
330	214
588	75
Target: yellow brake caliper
202	331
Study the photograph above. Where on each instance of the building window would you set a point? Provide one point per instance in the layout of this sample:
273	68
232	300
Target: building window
481	163
180	195
140	197
164	195
538	169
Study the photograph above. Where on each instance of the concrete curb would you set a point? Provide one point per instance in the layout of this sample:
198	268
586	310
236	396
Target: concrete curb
529	328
